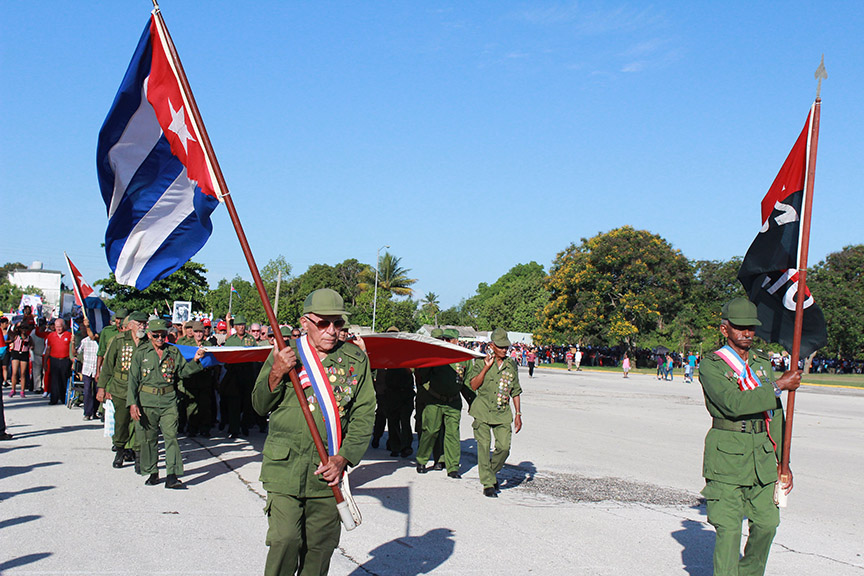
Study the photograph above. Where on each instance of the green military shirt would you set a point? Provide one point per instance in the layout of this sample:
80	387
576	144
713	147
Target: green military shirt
440	385
731	456
115	367
245	341
105	337
148	370
289	456
492	404
184	341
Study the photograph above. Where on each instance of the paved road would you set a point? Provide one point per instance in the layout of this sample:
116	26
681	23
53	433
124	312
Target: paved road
603	480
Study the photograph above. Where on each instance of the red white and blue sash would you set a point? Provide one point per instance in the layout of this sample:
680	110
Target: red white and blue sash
313	374
746	379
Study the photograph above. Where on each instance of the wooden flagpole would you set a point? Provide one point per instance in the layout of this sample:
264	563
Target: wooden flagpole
785	473
244	245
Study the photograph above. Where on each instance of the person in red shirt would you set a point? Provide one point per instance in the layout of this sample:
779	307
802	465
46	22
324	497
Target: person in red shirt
58	344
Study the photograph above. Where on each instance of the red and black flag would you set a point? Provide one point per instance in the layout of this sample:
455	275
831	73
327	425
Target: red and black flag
769	272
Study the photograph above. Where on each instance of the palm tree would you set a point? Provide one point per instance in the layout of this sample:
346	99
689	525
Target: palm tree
431	306
393	278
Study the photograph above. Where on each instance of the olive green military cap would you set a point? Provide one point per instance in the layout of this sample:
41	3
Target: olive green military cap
196	325
451	333
392	329
157	325
437	333
239	319
741	312
138	316
499	338
285	330
324	302
121	313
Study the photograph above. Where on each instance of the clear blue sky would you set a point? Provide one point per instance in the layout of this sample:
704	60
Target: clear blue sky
469	136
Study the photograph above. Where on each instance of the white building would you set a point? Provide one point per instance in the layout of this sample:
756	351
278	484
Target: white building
46	281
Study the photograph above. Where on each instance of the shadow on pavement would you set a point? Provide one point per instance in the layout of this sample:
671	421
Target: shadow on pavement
9	448
410	555
513	476
7	471
697	541
23	560
32	490
366	472
214	469
19	520
60	430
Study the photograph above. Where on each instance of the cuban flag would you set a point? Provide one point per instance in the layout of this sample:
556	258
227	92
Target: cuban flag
157	182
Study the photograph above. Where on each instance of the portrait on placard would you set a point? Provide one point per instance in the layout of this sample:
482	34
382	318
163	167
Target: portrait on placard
182	312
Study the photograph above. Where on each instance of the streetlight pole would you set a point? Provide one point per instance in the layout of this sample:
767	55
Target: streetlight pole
375	297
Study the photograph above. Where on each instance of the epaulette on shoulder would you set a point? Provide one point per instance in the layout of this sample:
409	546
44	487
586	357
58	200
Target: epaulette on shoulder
759	353
353	351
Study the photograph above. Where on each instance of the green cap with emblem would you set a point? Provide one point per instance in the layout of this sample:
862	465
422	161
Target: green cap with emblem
239	319
285	330
324	302
741	312
196	325
451	333
138	316
121	313
499	338
437	333
157	325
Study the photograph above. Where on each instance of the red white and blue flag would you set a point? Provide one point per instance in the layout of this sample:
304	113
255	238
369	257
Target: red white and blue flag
157	182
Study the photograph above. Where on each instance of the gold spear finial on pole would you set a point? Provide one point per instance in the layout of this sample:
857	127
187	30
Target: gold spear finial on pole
819	75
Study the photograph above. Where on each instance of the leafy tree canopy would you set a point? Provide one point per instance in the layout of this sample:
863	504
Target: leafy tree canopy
837	284
514	301
614	287
186	284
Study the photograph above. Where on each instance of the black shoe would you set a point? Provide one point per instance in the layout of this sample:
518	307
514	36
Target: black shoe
113	448
118	459
439	466
137	463
421	469
129	455
152	480
490	492
232	436
5	436
394	453
375	442
497	487
454	474
406	452
173	482
205	434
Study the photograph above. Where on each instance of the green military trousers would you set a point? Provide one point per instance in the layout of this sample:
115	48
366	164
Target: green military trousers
198	410
727	506
124	426
489	467
154	419
302	534
434	415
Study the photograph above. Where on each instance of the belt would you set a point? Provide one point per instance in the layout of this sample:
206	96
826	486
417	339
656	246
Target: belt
441	398
745	426
157	390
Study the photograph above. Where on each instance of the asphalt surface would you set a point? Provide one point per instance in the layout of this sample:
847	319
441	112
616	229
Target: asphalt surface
604	479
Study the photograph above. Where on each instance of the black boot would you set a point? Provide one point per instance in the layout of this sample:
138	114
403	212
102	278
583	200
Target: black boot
171	481
118	458
152	480
129	455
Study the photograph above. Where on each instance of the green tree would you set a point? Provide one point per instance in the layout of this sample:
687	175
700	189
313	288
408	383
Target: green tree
245	301
270	271
354	277
614	288
393	278
9	267
429	309
514	301
837	284
186	284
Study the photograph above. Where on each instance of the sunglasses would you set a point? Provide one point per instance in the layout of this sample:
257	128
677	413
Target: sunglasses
325	324
158	335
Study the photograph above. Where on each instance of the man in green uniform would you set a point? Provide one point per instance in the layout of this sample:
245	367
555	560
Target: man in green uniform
743	447
199	389
113	381
187	338
105	337
152	402
442	386
303	523
496	381
420	402
236	388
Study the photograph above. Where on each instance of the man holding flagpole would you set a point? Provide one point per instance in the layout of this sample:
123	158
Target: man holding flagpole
743	446
304	525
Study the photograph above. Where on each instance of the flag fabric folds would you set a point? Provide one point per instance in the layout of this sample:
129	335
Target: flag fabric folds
157	183
769	272
81	289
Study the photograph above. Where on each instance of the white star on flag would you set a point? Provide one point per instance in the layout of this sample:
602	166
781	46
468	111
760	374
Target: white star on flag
178	125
